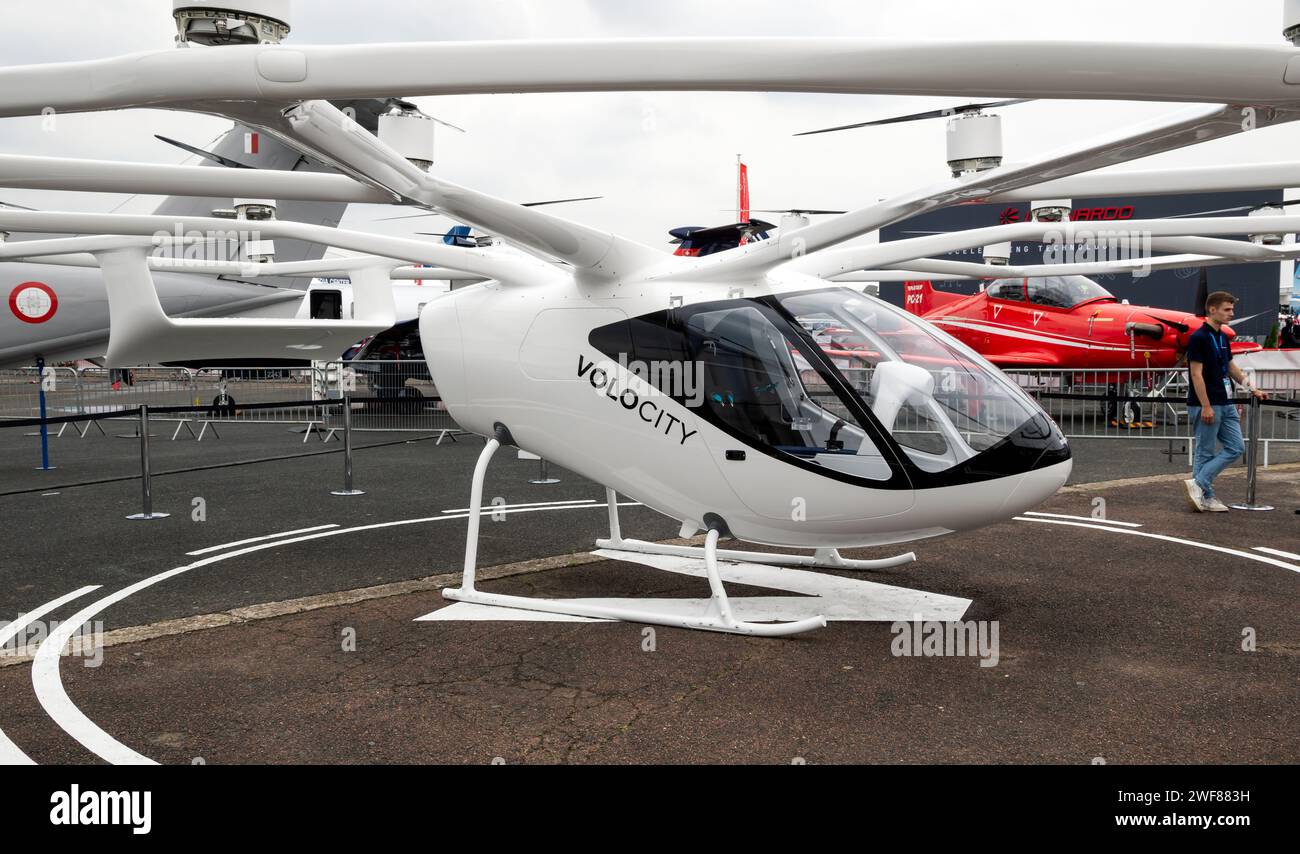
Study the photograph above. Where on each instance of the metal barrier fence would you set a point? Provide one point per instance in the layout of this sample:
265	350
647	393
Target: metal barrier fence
388	396
970	406
399	396
20	393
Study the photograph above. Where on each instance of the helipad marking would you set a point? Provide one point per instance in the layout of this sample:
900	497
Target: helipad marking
1277	552
1167	539
488	508
1086	519
9	752
835	597
47	680
224	546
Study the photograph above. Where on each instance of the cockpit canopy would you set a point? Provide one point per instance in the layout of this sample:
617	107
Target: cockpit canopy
838	381
1053	291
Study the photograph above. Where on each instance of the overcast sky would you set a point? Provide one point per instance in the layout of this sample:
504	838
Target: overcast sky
660	160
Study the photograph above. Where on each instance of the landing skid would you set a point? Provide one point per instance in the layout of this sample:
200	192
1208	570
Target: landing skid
718	617
824	558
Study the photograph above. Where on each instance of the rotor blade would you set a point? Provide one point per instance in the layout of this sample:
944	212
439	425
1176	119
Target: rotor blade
1202	293
1183	128
808	211
1258	75
1238	209
1282	204
16	207
928	114
522	204
558	201
1173	324
206	155
491	265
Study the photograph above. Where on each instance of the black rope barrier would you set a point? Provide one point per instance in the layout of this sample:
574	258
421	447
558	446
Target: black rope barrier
217	411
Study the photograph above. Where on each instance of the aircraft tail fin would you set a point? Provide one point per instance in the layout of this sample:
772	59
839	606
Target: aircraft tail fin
920	298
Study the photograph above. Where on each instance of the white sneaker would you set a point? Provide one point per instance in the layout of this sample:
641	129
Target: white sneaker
1214	505
1195	497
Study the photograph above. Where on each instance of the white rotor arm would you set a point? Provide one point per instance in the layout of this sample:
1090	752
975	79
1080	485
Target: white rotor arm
1237	250
326	267
140	333
1128	234
510	269
925	268
1237	178
108	176
1253	74
321	129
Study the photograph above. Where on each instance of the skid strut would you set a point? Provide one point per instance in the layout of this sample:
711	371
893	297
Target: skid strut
717	618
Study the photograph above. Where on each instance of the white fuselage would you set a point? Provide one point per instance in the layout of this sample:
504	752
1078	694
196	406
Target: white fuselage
516	357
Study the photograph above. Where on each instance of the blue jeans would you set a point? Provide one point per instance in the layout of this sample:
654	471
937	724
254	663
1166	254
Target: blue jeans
1226	429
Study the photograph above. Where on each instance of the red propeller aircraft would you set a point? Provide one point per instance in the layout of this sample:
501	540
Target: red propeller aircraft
1060	322
1068	322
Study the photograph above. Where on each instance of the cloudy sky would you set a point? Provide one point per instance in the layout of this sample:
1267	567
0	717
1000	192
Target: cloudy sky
660	160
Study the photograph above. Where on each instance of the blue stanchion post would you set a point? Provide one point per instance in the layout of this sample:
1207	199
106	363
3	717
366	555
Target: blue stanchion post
45	431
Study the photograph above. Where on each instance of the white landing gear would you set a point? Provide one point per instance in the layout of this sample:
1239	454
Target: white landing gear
717	618
824	558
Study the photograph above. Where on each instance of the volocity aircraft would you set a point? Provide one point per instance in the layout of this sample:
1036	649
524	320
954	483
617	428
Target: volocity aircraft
693	385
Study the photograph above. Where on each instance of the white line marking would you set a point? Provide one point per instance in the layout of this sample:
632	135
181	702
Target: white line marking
48	683
1277	552
9	752
1086	519
212	549
488	508
1167	539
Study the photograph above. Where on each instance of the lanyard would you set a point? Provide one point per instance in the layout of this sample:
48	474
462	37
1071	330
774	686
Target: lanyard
1223	349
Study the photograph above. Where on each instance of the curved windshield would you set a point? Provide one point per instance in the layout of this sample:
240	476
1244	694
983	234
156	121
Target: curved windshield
758	383
817	375
1053	291
939	400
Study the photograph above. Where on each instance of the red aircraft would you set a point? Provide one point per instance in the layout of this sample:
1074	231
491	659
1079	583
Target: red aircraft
1060	322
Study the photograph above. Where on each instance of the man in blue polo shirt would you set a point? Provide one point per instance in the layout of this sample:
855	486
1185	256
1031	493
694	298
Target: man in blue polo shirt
1209	408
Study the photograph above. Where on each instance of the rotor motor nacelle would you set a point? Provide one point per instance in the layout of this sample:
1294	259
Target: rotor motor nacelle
1051	210
257	210
239	22
999	254
1268	239
1291	21
974	143
410	133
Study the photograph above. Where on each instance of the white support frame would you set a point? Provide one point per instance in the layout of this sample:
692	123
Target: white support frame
718	618
824	558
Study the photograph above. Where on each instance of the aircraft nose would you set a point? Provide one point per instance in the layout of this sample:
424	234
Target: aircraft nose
1035	487
1042	441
